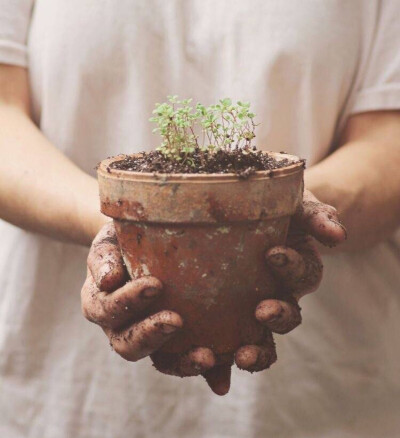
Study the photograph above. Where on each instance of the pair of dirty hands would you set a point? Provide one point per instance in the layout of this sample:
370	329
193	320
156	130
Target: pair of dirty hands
118	304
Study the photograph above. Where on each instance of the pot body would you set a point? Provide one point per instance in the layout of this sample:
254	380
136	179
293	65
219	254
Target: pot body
204	237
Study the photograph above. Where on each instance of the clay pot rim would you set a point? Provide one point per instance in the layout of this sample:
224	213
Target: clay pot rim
105	169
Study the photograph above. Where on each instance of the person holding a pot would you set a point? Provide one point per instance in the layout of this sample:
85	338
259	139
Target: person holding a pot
77	83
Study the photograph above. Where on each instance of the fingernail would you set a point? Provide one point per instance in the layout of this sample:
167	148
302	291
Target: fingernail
168	328
278	259
150	292
339	224
276	313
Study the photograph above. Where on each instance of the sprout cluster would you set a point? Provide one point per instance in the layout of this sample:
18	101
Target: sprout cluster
185	128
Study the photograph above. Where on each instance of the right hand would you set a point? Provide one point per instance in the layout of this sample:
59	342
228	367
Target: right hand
119	306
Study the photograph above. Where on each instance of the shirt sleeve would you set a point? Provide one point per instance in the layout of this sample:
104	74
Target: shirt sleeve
379	87
15	17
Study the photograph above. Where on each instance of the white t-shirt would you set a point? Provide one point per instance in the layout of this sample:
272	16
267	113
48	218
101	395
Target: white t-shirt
96	69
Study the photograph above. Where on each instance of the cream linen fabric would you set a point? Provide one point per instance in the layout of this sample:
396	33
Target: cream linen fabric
96	69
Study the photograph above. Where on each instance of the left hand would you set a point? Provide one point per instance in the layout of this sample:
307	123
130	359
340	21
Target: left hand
298	269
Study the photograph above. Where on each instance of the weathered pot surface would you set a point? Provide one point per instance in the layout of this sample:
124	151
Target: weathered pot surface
204	236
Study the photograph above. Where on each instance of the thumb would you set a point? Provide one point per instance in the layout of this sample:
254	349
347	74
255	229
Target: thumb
105	260
320	221
219	378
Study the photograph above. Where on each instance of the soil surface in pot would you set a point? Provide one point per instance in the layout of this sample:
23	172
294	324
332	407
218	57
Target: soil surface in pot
242	162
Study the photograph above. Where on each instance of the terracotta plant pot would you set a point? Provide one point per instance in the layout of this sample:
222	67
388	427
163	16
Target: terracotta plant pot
204	237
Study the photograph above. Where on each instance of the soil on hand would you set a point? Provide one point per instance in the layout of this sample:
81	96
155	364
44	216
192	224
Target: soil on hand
242	162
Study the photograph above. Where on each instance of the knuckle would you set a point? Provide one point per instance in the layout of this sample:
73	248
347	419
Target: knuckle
96	307
86	304
91	315
95	312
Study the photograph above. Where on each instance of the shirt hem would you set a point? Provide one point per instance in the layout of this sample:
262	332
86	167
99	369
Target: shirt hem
375	99
13	54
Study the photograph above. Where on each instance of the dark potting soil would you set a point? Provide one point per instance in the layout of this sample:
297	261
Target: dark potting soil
241	162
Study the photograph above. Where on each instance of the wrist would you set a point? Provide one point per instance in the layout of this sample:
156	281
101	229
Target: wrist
90	219
92	226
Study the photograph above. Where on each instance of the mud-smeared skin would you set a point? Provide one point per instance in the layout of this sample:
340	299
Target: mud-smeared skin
257	357
105	260
282	316
306	271
191	363
143	338
119	308
317	218
219	378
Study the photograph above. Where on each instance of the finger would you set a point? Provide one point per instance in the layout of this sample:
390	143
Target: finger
257	357
279	316
320	220
105	260
193	363
144	338
287	264
298	269
121	307
219	378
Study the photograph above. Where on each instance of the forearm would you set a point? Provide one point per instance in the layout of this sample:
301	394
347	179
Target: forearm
362	180
40	188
